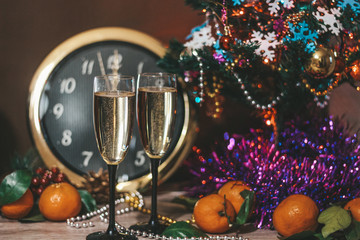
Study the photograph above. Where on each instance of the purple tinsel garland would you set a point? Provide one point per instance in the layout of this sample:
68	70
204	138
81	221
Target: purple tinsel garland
314	158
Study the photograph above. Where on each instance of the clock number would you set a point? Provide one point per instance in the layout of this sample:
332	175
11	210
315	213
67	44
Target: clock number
67	85
87	155
66	140
58	110
114	61
140	158
87	67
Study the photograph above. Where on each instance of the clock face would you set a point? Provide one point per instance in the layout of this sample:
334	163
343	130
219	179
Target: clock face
61	101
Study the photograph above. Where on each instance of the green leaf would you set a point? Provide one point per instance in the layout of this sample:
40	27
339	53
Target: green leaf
246	207
335	218
188	202
182	230
33	216
30	160
88	201
321	237
353	232
14	186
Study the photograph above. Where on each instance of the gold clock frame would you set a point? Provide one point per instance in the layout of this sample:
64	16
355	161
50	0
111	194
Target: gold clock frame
43	72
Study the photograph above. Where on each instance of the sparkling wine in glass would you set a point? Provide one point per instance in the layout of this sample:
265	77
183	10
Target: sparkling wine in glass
113	108
156	111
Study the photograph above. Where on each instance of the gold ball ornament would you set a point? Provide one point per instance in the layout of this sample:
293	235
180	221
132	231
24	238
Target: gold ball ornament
321	64
226	41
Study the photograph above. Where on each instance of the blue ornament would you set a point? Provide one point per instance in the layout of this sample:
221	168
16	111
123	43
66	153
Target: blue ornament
237	2
353	4
303	33
196	29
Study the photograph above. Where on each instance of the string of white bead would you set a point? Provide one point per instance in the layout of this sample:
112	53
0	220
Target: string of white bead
198	58
103	212
79	222
324	103
252	101
217	27
201	78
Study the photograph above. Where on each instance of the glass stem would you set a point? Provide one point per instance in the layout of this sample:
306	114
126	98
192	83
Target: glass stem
154	222
112	180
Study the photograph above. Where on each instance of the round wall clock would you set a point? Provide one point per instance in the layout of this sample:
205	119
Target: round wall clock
60	105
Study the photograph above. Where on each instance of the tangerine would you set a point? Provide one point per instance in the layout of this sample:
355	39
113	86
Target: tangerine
354	207
20	208
214	214
60	201
295	214
231	190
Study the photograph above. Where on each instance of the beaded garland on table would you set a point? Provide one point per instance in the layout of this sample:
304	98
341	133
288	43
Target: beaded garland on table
136	202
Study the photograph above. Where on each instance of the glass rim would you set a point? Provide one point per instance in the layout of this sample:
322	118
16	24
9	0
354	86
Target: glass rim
149	74
121	76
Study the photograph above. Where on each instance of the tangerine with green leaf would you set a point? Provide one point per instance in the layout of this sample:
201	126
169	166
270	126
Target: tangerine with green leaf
20	208
231	190
214	214
295	214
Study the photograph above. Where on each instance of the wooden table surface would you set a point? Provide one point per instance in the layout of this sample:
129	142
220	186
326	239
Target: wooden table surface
12	229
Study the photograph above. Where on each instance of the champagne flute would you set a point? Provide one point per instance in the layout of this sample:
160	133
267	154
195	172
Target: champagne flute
114	107
156	103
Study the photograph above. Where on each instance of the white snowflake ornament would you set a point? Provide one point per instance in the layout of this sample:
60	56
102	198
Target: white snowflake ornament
274	5
288	4
200	38
267	44
329	19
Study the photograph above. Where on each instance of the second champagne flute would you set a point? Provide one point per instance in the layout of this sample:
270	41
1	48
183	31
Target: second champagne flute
156	111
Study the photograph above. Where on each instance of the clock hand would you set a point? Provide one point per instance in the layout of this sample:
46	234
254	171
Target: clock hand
102	68
116	64
101	63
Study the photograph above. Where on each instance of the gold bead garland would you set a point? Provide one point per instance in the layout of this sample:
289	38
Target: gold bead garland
320	93
295	17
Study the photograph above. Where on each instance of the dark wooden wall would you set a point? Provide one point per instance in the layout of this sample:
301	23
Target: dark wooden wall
29	30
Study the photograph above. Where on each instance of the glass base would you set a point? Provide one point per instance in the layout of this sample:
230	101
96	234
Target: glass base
107	236
145	227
